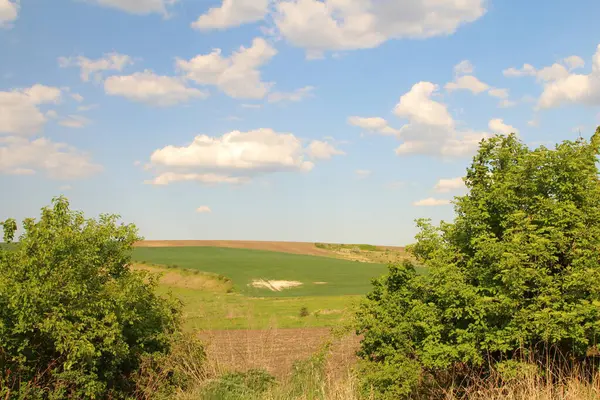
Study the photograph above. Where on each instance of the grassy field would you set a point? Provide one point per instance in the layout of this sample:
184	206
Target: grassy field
320	276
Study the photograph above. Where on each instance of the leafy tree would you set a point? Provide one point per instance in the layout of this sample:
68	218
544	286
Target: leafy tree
517	274
75	321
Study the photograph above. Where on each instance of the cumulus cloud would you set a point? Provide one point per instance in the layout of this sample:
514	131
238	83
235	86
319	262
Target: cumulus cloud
373	125
321	150
561	85
464	68
430	202
77	97
108	62
20	112
418	106
147	87
21	156
320	26
232	13
236	157
449	185
209	178
467	82
140	7
203	209
430	129
497	125
295	96
238	75
9	12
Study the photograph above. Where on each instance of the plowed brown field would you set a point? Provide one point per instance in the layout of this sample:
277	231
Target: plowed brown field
283	247
275	350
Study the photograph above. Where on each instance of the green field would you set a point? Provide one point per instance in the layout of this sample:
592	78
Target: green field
242	266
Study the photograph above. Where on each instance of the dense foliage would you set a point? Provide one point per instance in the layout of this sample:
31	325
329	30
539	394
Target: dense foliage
517	274
75	321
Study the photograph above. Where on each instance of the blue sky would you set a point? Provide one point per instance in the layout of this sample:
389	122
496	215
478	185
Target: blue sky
334	121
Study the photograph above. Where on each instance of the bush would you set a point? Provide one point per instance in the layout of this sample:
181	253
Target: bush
75	321
304	312
239	385
516	276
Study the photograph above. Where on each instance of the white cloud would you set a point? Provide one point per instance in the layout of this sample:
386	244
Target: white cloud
430	202
75	121
319	26
418	107
467	82
237	76
526	70
363	173
373	125
19	109
499	93
209	178
77	97
58	160
65	187
573	62
561	85
431	129
535	122
9	12
203	209
296	95
448	185
147	87
232	13
497	125
109	62
140	7
235	157
321	150
464	68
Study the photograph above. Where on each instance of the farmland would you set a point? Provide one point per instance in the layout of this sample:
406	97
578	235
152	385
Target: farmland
318	276
215	284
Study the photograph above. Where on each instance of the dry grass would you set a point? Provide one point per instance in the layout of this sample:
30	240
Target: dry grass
533	387
184	279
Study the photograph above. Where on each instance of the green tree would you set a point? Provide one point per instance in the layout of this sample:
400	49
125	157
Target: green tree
517	274
75	321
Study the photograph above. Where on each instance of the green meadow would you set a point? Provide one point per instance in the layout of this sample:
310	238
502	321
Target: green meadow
320	276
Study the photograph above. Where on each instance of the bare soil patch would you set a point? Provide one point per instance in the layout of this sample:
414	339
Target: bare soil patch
275	350
275	286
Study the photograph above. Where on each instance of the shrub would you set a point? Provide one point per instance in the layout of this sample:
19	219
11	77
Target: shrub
515	276
75	321
304	312
239	385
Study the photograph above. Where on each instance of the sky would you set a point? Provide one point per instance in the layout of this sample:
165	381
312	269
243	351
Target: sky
292	120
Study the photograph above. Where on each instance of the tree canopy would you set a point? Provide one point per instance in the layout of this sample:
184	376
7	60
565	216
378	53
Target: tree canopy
517	272
75	320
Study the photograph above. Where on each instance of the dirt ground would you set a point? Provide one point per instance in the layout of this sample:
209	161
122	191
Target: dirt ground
306	248
275	350
283	247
